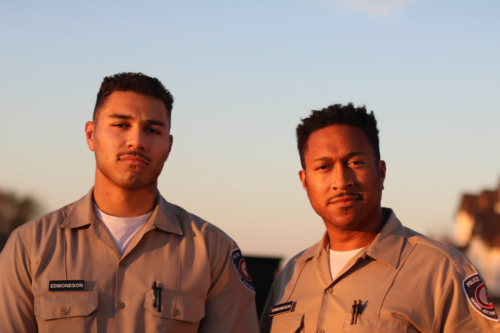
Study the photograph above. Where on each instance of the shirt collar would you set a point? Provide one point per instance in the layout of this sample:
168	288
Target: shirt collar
386	247
82	214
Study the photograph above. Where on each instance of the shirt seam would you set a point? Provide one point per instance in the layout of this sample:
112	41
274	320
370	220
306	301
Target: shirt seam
26	253
398	270
439	250
441	299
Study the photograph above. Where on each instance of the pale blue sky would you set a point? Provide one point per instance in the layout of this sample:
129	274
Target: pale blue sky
243	74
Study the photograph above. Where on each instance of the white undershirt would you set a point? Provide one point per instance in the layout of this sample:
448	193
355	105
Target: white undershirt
338	259
122	229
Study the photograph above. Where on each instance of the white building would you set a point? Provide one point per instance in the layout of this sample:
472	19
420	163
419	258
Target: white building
477	230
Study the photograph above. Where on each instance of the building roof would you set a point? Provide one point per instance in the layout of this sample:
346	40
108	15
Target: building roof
486	219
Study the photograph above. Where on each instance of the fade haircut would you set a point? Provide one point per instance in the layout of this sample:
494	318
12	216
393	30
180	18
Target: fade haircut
338	115
136	82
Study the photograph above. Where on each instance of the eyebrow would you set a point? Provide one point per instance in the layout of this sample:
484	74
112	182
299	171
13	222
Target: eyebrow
126	117
155	122
348	156
120	116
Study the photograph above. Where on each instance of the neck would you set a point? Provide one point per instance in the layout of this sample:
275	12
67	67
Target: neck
345	239
120	202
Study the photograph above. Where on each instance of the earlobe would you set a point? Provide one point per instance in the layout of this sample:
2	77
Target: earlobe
383	170
302	176
171	142
89	134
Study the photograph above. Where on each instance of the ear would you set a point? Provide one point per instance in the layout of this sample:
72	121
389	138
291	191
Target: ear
170	143
382	168
302	176
89	133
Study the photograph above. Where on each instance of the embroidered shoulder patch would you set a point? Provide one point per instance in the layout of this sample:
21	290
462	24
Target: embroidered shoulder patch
478	298
240	268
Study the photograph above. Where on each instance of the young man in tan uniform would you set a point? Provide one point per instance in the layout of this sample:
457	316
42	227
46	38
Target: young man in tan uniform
122	258
369	273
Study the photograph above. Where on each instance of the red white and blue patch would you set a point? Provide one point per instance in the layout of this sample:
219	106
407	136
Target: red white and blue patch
240	268
478	298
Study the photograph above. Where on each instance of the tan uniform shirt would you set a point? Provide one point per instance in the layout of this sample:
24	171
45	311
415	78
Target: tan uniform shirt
193	262
405	282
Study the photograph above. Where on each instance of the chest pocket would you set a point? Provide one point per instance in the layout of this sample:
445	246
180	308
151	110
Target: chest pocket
180	312
66	312
367	324
287	323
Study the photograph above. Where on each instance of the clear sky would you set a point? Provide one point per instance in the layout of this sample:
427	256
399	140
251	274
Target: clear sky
243	73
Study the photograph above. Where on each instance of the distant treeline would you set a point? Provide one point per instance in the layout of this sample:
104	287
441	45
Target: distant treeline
14	211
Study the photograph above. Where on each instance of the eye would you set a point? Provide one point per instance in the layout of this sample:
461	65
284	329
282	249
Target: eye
322	167
120	125
152	130
356	163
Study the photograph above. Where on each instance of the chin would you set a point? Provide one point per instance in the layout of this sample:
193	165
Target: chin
345	225
345	221
133	183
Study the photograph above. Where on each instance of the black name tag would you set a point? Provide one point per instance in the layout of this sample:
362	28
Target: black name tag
67	285
282	308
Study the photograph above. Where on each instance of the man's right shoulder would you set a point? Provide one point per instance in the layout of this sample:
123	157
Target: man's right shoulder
42	227
287	272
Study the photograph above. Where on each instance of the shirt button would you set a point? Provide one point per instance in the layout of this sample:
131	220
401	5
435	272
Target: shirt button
121	305
175	312
122	264
64	311
321	331
329	290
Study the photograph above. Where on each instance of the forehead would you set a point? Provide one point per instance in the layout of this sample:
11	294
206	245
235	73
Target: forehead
132	103
338	139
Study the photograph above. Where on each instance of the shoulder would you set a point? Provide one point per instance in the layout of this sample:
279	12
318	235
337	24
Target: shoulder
46	223
193	224
296	261
435	250
40	230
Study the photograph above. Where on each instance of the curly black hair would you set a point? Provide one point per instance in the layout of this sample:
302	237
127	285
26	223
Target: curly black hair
136	82
338	114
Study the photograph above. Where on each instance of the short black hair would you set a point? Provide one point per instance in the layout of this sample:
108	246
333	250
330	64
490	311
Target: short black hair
136	82
338	114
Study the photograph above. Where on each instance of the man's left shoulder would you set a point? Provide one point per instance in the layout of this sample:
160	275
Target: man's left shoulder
439	251
193	224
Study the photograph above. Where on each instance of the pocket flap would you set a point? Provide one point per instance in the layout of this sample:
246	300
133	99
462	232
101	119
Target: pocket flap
177	305
287	323
56	305
367	324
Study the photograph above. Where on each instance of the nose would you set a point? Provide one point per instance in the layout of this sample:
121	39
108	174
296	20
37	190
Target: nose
342	177
136	139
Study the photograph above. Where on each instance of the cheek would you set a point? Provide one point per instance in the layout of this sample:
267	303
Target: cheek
161	152
316	188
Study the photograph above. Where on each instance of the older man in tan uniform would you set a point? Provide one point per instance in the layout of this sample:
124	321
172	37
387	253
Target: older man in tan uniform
369	273
73	270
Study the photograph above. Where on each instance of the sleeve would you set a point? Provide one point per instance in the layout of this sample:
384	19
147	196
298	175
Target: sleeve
16	301
265	320
230	304
465	305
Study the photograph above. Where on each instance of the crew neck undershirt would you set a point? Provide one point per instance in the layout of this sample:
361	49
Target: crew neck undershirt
338	259
122	229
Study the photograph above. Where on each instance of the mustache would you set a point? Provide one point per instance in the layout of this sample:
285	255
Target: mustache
346	194
135	153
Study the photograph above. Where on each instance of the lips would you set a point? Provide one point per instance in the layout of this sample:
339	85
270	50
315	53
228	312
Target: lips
134	160
345	200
